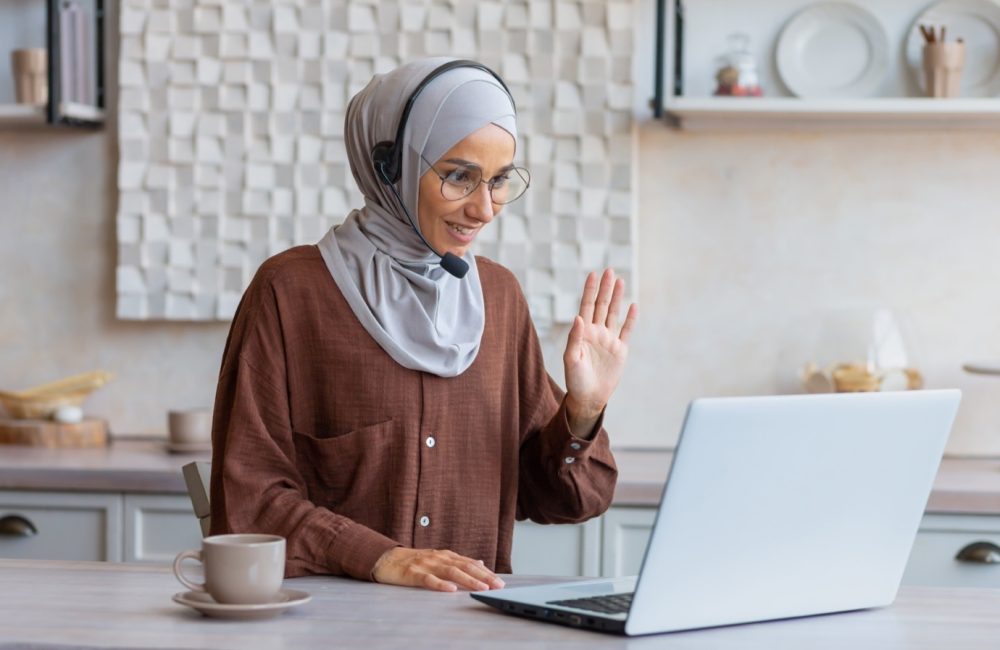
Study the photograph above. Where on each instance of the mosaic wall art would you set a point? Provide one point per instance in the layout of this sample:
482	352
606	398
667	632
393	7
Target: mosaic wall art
231	117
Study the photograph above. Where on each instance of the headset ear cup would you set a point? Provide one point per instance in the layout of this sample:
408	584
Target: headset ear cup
382	162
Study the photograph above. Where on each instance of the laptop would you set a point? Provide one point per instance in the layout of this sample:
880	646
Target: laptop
775	507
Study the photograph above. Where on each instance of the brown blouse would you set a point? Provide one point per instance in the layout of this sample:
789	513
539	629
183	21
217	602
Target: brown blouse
320	436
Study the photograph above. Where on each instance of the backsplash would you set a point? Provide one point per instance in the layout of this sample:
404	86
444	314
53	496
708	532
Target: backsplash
231	118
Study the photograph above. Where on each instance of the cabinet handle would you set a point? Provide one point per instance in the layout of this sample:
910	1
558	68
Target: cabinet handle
17	526
980	553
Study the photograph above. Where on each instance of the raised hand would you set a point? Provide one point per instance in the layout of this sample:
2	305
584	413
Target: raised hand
596	350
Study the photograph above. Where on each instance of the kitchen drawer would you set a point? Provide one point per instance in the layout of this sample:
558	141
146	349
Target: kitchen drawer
70	526
158	527
933	562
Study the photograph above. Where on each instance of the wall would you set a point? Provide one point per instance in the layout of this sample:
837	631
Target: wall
745	241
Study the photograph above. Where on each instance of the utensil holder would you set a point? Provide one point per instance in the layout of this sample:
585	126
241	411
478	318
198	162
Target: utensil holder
943	64
30	68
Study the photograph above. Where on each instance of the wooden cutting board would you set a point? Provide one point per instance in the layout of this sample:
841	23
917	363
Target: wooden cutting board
46	433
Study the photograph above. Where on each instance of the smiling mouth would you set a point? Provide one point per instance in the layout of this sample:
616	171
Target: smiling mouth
462	230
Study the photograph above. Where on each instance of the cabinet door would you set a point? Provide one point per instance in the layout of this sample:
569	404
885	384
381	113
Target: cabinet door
65	525
624	538
159	526
557	550
941	537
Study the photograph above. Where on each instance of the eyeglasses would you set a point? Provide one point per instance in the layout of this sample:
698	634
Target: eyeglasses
465	178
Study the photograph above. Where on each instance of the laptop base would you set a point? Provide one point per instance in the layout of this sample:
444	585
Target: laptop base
551	615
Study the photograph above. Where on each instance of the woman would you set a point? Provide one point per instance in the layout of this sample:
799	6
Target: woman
392	420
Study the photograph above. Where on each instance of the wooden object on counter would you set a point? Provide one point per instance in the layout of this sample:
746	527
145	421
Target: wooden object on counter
41	401
46	433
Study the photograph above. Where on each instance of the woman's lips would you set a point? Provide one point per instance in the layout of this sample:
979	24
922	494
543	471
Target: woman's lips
465	237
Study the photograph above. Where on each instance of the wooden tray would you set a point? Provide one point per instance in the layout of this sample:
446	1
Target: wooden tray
46	433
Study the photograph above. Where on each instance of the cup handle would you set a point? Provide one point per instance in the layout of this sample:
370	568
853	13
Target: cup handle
179	573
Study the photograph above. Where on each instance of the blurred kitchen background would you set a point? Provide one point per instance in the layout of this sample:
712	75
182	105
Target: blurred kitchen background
745	242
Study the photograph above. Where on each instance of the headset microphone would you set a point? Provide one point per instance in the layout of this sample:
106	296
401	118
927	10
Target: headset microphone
450	262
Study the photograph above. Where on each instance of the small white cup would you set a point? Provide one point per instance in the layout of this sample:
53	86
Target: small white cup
240	569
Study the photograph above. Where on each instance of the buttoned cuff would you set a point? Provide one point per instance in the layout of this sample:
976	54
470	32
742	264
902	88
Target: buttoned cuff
358	548
559	443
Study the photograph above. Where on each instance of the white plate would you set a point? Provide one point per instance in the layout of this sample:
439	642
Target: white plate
977	22
833	49
201	601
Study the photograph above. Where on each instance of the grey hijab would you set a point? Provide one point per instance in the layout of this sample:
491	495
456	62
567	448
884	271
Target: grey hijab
423	317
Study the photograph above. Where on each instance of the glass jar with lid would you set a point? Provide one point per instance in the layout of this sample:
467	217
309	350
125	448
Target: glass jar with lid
737	70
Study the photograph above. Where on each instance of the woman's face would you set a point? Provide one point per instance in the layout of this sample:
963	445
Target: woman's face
451	226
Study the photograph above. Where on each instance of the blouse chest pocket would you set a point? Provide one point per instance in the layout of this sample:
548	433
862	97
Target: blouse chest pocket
345	467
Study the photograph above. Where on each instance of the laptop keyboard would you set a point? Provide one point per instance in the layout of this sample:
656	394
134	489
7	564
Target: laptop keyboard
610	604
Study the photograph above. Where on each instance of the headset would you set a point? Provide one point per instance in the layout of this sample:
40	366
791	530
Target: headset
387	156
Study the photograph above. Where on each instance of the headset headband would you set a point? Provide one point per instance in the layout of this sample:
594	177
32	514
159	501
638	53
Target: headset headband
387	155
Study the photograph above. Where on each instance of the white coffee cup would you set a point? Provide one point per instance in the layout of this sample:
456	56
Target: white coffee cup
240	569
189	426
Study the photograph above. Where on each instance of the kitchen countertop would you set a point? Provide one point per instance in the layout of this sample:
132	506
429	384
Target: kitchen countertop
963	485
100	604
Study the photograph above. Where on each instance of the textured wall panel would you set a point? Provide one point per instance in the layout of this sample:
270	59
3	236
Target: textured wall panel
231	137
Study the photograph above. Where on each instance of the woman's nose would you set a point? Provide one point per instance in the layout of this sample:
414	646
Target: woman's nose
480	205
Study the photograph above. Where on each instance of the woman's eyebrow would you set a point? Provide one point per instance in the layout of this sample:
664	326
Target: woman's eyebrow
469	163
460	161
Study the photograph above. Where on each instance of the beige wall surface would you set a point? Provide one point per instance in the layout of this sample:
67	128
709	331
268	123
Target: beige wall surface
746	242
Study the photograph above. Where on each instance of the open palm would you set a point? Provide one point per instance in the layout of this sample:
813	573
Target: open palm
596	350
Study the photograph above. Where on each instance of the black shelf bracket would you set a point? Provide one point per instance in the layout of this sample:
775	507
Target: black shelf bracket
661	47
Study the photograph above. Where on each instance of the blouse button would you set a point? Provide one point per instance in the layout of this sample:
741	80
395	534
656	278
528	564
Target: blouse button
430	441
425	521
574	445
569	460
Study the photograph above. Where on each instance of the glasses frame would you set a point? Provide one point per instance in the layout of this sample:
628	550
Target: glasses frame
525	176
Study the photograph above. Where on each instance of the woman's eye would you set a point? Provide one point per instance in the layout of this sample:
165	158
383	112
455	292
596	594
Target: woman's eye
500	181
459	176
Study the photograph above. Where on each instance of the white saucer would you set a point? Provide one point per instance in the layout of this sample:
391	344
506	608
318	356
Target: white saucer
188	447
201	601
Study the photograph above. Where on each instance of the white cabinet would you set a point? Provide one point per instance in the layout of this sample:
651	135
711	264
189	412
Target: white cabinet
158	527
625	534
625	531
557	550
96	526
60	526
941	537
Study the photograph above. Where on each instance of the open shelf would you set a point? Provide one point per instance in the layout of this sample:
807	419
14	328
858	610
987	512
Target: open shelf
691	34
735	113
72	34
21	114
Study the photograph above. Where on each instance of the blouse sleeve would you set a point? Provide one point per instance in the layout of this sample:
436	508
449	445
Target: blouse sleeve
562	479
256	486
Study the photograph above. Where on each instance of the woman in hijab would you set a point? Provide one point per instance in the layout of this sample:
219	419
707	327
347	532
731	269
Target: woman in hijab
389	419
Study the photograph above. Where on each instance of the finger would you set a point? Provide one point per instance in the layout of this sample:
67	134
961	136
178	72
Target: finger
630	320
475	568
574	338
616	304
431	581
462	579
478	570
589	294
604	297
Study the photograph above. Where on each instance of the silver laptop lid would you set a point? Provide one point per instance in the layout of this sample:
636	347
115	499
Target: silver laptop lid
789	506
